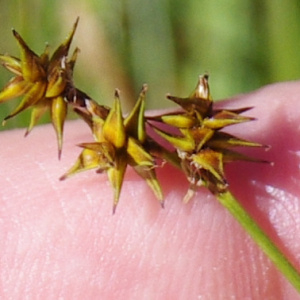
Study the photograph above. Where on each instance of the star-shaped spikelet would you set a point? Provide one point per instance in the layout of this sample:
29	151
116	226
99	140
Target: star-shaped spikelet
119	142
202	147
41	81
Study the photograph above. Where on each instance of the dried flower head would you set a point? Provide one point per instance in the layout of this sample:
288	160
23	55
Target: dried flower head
41	81
202	147
119	142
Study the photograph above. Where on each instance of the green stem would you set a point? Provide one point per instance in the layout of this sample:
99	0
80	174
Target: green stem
264	242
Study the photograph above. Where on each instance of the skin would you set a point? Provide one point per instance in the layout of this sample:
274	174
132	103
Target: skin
60	240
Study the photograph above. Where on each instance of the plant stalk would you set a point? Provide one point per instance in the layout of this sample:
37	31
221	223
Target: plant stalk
263	241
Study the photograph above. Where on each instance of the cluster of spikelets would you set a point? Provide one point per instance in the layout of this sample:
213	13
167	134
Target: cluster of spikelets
199	147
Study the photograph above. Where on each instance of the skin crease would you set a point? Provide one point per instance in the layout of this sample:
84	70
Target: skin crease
59	240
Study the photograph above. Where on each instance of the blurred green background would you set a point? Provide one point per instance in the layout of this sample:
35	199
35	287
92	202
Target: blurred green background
165	43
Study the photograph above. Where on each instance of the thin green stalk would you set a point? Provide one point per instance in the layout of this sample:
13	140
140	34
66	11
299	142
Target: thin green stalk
264	242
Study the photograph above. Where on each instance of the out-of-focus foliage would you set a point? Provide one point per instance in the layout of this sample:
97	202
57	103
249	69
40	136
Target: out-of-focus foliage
165	43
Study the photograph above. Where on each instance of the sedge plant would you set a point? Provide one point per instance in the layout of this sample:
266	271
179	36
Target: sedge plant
198	144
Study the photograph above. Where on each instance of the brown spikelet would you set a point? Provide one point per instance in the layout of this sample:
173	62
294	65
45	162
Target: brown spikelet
201	145
119	142
42	81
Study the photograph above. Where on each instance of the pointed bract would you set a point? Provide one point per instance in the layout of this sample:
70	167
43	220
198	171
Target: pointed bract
116	177
59	109
63	50
113	128
32	69
34	94
37	112
12	64
14	88
135	123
